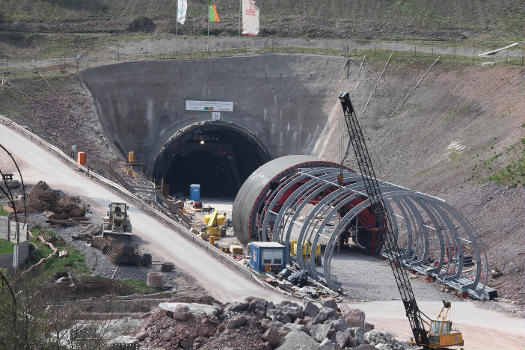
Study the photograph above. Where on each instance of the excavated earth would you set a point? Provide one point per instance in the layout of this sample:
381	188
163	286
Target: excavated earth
459	128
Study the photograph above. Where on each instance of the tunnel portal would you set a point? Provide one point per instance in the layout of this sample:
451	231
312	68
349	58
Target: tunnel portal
217	155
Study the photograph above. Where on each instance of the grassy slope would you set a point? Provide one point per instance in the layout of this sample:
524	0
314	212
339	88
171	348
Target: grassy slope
383	18
5	246
75	264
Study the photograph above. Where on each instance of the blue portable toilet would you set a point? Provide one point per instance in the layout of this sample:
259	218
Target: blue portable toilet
266	256
195	192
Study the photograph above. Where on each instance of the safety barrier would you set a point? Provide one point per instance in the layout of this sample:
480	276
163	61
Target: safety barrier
185	232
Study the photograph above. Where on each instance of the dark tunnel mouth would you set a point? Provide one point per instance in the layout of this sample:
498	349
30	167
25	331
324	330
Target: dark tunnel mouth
215	154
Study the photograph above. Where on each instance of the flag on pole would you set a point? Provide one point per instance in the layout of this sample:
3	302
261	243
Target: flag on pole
250	18
182	6
213	16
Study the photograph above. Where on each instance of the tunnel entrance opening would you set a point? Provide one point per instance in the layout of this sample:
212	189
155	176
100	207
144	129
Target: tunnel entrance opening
217	155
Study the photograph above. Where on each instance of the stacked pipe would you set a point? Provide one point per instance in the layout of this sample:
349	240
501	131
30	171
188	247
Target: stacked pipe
120	253
42	197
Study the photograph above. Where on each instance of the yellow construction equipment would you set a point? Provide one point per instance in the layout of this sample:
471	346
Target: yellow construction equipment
307	250
441	335
215	224
116	221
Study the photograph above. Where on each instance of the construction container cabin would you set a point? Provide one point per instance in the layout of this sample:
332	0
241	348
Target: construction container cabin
267	256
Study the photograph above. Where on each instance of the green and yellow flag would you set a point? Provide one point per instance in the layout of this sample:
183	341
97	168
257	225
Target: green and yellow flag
213	16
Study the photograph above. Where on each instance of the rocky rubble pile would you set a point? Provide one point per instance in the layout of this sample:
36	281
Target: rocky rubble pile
260	324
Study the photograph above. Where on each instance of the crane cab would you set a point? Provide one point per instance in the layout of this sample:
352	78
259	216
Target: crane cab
442	336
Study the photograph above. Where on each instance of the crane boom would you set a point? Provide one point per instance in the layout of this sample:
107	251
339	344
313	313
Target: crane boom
383	220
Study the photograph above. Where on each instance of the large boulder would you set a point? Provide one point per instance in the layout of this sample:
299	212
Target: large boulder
310	309
193	308
257	305
320	331
357	334
329	302
278	315
323	315
327	344
236	322
297	340
300	327
354	317
287	303
293	311
340	325
267	323
181	313
341	339
377	337
236	306
273	337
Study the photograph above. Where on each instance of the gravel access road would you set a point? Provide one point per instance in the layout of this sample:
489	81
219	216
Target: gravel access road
219	280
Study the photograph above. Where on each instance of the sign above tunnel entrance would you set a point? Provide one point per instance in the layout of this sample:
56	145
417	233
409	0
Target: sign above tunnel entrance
215	115
209	106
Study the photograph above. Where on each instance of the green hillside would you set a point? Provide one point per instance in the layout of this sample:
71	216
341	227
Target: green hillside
368	19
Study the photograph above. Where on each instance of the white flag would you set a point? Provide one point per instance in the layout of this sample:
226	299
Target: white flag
182	6
250	17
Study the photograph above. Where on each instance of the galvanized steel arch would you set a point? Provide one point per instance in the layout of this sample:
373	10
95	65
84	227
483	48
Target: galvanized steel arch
433	236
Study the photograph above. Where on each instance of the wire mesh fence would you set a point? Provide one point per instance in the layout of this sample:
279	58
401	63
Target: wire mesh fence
204	47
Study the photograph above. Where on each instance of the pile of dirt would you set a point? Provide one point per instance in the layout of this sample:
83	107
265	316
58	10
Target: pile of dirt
162	330
238	339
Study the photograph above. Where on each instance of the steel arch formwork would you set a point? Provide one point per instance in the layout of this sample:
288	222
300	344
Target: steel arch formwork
300	198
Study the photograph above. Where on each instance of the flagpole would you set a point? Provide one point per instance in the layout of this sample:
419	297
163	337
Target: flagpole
208	41
240	14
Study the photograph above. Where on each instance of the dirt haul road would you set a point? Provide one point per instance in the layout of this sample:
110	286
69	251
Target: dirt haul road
218	280
482	329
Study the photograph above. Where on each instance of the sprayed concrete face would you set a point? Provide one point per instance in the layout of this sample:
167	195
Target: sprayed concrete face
277	98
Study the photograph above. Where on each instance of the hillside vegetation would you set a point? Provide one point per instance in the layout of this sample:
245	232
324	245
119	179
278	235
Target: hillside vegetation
367	19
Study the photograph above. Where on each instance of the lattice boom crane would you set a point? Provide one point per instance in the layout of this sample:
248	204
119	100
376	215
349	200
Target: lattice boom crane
383	220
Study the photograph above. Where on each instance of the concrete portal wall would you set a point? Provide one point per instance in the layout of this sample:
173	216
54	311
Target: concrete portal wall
279	98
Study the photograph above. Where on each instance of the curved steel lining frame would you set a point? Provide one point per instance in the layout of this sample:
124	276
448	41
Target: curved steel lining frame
436	240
